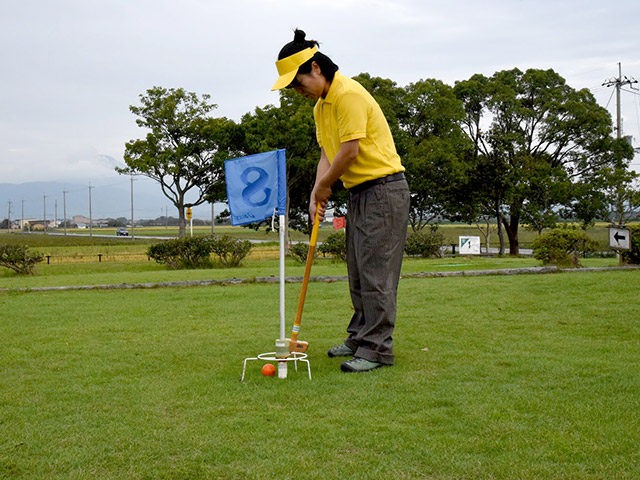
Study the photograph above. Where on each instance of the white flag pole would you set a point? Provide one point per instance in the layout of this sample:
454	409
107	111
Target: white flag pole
282	278
282	366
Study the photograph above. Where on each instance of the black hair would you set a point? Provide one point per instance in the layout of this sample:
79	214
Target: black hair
327	67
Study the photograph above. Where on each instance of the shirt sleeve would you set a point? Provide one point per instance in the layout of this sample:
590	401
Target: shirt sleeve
351	113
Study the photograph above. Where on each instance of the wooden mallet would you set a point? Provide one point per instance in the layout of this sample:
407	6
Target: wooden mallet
296	345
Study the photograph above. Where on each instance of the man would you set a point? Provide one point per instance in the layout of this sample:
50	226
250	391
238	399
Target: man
356	147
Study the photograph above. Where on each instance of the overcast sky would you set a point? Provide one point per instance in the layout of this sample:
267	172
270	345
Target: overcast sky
71	68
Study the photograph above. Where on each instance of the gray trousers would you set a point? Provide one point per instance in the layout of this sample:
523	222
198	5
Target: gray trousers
376	232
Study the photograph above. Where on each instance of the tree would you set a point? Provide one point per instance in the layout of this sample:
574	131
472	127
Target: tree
185	148
542	195
485	182
621	196
19	258
537	134
435	150
615	195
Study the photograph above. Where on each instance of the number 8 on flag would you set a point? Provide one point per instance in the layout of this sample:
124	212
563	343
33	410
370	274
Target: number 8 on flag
256	186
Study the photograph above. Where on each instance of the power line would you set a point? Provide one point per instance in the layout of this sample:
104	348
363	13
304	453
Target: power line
630	91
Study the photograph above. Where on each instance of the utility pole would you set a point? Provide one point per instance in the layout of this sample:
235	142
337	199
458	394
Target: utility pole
90	215
619	83
64	206
44	197
55	219
22	218
133	234
9	218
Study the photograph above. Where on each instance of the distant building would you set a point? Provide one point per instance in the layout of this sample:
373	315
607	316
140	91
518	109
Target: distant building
81	219
83	222
38	225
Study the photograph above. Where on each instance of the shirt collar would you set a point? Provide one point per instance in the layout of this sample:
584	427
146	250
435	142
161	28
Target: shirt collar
331	94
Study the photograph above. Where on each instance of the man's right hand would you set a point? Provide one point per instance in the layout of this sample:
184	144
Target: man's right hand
312	209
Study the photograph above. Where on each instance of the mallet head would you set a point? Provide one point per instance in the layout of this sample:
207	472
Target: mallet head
298	346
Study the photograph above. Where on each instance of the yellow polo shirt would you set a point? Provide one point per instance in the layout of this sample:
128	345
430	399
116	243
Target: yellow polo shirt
349	112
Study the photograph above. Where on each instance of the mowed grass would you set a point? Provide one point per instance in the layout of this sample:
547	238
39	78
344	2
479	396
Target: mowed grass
131	272
527	377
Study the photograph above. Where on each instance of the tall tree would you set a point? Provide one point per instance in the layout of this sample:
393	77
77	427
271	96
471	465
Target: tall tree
485	183
621	196
614	196
435	150
184	149
534	129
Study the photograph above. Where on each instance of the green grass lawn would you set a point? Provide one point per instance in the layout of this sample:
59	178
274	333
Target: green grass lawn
519	377
117	272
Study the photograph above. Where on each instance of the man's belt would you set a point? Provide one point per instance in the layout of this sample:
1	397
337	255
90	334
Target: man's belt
394	177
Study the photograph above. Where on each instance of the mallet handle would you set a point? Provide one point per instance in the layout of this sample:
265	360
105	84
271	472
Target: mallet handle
305	279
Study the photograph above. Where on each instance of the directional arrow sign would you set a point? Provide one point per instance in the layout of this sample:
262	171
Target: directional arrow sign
619	238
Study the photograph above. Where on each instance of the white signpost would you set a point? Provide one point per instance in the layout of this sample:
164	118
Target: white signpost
469	245
619	238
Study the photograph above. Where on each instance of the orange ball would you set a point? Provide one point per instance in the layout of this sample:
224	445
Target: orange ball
268	370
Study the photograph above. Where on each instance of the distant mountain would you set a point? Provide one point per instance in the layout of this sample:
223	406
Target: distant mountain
112	199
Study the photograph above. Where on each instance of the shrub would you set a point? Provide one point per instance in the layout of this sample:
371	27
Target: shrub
299	252
335	245
424	244
230	250
19	258
563	247
185	252
633	255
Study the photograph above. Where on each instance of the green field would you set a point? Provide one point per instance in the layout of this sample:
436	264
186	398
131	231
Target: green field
502	377
450	231
104	246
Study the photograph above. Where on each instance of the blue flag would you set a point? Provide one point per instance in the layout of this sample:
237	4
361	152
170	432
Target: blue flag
256	186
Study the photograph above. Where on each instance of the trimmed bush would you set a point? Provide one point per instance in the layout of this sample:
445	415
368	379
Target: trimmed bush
181	253
231	251
299	252
633	256
335	245
19	258
424	244
563	247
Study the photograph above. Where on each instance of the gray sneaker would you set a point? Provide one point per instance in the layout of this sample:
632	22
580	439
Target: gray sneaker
357	365
340	351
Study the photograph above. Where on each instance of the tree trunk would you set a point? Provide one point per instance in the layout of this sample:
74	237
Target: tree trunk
500	234
488	235
486	231
182	231
512	232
